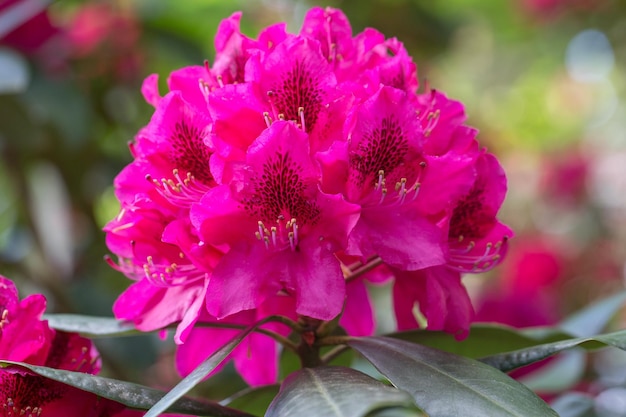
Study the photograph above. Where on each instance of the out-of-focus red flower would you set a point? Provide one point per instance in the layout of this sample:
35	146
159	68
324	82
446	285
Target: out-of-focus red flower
564	179
525	294
106	37
550	9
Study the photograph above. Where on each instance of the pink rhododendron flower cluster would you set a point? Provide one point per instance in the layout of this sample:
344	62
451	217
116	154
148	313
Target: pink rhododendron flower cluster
24	337
289	172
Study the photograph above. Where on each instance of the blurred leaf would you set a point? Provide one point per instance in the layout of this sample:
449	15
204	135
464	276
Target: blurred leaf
253	400
595	317
558	375
512	360
201	371
337	391
14	75
90	326
483	339
574	404
127	393
444	384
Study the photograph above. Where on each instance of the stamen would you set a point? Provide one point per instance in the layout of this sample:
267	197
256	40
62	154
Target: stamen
205	89
381	179
416	190
301	114
4	318
270	98
292	241
383	193
401	185
220	81
267	118
431	122
279	236
295	232
180	191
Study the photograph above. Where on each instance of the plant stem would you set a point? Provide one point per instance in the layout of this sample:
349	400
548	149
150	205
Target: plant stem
335	352
278	337
309	354
372	263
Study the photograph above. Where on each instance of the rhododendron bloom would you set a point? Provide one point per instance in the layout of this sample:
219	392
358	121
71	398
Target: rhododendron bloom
292	164
24	337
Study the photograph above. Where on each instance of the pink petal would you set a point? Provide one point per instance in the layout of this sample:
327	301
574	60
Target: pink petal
150	90
441	297
402	238
358	316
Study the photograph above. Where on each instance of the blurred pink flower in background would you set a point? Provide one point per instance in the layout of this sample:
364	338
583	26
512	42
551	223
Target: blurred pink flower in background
24	337
564	178
550	9
526	291
105	37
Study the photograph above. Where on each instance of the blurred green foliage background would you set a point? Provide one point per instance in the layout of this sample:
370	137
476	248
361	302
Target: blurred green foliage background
543	80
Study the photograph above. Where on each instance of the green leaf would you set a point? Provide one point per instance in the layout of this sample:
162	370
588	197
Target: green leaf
334	391
483	340
512	360
201	371
90	326
594	318
253	400
559	375
127	393
445	385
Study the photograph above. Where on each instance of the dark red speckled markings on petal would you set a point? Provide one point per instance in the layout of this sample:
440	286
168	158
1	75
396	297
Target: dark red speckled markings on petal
190	153
298	96
26	395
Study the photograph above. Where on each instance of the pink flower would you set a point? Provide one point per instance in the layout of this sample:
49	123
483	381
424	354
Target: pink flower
24	337
382	167
534	270
477	240
282	230
274	169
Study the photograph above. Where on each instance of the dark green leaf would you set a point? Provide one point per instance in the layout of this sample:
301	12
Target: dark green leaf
558	375
90	326
594	318
334	391
127	393
445	385
483	340
201	371
512	360
253	400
